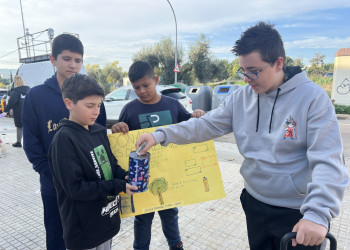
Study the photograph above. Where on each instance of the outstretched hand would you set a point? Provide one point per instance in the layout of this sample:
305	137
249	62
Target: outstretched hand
197	113
129	188
308	233
120	127
149	139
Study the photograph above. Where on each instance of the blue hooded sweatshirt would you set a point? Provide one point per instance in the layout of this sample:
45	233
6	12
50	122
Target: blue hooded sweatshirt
42	110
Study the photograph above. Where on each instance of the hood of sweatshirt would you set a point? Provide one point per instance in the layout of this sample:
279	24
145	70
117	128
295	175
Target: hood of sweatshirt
52	84
288	85
22	89
96	128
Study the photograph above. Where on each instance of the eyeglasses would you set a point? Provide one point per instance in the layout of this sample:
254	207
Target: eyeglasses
251	75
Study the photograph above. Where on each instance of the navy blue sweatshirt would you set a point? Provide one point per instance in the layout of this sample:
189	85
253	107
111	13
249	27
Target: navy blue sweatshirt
42	111
88	181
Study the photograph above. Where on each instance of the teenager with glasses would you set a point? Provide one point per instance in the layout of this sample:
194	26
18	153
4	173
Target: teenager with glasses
287	131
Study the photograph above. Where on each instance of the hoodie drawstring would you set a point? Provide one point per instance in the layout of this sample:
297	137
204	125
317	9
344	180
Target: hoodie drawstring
273	107
257	119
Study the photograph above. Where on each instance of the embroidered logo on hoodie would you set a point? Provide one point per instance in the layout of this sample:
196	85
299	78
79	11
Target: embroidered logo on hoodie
290	129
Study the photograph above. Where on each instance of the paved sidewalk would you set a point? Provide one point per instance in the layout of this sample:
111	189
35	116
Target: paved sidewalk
216	224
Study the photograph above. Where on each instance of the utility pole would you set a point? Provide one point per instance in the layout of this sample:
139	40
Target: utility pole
24	29
175	40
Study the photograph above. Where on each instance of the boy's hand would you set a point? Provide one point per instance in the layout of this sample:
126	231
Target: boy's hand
197	113
129	188
149	139
120	127
308	233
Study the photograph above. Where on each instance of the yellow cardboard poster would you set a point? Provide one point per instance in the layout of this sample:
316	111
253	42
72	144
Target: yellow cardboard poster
179	174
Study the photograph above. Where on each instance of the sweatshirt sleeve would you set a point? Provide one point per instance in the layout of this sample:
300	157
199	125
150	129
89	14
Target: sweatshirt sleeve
32	141
69	175
213	124
329	173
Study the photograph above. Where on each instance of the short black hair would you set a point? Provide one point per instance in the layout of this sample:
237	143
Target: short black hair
263	38
140	69
66	42
79	86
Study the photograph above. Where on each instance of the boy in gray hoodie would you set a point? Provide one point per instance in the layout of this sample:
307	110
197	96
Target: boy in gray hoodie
286	129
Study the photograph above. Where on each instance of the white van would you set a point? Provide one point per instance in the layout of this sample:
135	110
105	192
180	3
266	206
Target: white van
37	72
34	54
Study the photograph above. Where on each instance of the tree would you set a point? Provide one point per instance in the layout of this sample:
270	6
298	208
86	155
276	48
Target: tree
94	71
232	69
220	69
165	51
161	57
318	67
149	55
107	76
318	60
199	56
289	61
112	74
298	62
187	76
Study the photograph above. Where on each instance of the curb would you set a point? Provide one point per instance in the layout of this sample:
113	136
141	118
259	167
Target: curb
343	116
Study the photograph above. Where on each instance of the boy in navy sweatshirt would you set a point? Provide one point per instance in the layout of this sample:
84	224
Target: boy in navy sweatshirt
86	175
42	110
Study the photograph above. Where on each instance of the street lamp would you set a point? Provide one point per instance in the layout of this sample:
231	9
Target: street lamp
175	41
24	30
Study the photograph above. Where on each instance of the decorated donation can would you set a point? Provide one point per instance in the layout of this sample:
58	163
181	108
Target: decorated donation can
139	171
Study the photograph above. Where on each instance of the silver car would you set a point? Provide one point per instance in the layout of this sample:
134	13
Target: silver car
116	100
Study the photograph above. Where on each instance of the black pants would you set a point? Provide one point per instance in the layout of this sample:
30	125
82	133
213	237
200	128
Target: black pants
267	224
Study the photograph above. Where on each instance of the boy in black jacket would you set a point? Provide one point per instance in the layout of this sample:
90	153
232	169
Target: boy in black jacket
86	175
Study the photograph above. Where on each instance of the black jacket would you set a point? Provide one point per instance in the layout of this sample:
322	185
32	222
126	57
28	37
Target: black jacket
88	203
16	103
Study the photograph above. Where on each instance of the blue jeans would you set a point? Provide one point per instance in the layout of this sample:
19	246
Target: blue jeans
143	225
53	225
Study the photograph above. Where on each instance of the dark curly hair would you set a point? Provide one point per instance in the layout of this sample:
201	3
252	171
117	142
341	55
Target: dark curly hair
263	38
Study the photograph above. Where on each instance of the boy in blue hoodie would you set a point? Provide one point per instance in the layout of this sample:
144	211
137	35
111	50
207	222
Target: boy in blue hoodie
86	174
287	131
42	110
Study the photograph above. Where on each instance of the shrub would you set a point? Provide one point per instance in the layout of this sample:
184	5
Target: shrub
342	109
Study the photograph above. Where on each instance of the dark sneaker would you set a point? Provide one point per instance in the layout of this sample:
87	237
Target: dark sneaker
179	246
17	145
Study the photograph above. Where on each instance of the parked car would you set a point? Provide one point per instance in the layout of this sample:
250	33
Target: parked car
116	100
329	74
3	92
3	95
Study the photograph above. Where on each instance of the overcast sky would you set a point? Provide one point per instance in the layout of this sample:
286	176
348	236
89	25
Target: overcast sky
114	29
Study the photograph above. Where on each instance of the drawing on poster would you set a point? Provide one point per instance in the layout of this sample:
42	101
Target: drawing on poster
206	184
179	175
157	187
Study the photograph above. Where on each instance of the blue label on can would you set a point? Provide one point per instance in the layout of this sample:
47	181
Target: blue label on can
139	171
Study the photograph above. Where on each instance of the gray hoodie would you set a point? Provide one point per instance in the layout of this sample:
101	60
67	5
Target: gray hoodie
290	141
